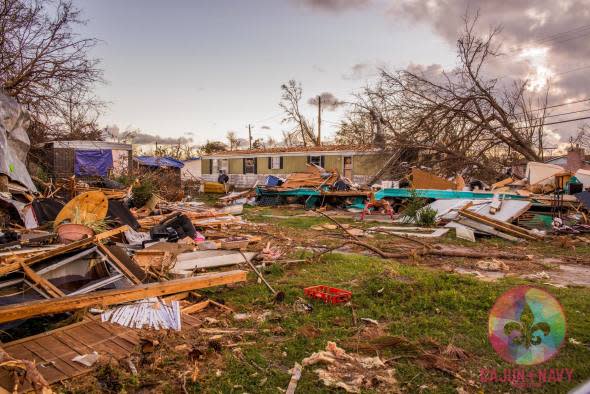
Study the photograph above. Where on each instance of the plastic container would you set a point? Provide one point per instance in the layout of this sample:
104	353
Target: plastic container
71	232
330	295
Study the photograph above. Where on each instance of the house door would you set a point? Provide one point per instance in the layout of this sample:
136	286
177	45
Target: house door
347	167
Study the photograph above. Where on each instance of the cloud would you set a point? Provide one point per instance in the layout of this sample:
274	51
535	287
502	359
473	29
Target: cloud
329	101
359	71
136	136
334	5
539	33
541	41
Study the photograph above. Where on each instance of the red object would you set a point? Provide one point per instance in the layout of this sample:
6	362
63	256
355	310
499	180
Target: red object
330	295
381	204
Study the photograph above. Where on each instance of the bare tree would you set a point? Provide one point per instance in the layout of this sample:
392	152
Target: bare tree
582	138
290	100
462	118
233	140
357	128
47	67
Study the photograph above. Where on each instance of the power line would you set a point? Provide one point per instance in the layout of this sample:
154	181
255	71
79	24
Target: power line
558	35
558	122
268	118
567	113
555	106
572	70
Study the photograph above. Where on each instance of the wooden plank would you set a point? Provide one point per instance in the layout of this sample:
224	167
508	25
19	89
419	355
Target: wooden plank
54	347
114	260
98	340
117	296
42	282
8	268
176	297
199	306
53	350
501	226
110	233
48	358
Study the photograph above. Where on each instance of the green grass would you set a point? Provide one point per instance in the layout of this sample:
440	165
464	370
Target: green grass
415	302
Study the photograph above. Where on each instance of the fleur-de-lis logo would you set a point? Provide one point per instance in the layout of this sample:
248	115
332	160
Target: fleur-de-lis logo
526	330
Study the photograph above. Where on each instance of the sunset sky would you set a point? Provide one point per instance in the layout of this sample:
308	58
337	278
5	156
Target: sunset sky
201	68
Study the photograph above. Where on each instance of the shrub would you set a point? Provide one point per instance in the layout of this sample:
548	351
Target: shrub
426	217
142	193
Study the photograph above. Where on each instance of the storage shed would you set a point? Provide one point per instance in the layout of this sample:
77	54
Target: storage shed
88	158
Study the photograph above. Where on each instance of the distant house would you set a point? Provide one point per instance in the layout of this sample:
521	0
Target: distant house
87	158
191	169
246	167
574	160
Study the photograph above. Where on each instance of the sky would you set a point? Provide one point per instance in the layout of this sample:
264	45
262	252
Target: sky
207	67
199	69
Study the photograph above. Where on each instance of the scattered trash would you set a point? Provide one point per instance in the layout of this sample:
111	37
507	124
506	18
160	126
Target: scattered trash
352	373
492	265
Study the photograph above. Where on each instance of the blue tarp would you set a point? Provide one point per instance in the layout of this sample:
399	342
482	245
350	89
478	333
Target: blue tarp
164	161
93	162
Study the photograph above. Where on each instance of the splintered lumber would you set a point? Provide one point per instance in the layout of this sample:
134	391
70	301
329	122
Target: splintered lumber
46	285
199	306
117	296
8	268
505	227
122	267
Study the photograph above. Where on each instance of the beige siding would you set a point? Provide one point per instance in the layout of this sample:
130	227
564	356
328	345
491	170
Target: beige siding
333	163
361	164
206	166
236	166
368	164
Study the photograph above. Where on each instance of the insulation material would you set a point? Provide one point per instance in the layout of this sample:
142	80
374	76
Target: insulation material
14	142
150	313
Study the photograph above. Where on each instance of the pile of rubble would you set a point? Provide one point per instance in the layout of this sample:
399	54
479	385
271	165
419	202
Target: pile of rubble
108	269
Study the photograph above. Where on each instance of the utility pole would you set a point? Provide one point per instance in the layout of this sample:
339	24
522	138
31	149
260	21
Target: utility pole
319	120
250	135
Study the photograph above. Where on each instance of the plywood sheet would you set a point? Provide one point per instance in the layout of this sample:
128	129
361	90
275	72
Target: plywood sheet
53	351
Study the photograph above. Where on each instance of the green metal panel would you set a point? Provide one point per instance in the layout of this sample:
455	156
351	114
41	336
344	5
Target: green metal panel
442	194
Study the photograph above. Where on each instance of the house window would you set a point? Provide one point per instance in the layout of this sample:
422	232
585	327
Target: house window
224	165
317	160
275	163
347	167
250	165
